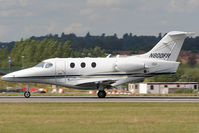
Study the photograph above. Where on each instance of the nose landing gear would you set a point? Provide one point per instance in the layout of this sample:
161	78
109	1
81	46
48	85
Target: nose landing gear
27	92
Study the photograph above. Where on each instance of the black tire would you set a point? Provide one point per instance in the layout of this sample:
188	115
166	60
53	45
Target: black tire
42	92
27	94
101	94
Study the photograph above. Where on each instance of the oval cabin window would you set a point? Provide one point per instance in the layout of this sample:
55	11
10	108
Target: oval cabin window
93	64
72	65
83	65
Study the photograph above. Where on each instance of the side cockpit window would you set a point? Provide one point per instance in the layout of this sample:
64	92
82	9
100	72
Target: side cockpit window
48	65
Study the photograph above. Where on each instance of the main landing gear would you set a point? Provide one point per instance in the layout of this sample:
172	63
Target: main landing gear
27	92
101	93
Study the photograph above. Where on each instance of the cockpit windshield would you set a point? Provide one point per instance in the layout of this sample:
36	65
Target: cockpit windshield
41	64
44	65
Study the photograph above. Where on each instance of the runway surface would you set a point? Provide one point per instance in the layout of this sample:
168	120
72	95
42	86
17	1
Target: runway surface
63	99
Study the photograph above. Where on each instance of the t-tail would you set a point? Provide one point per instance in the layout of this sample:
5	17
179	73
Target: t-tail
168	48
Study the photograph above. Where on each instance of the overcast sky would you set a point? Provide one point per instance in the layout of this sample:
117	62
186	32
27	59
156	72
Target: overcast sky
25	18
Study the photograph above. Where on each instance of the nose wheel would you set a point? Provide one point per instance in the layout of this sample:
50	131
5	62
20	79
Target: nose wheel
27	92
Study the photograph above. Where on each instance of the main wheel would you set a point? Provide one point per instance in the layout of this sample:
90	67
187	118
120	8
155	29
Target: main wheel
27	94
101	94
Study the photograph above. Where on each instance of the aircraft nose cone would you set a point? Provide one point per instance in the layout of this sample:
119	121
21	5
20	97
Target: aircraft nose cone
4	78
7	77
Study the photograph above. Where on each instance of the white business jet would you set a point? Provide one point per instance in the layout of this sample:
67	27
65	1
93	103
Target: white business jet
104	73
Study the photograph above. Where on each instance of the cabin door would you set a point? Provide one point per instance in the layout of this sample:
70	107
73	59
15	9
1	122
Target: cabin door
60	71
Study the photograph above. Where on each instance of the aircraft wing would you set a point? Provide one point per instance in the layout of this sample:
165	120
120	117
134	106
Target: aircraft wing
92	82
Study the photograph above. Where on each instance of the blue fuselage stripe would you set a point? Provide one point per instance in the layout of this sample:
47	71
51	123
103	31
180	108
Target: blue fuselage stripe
96	75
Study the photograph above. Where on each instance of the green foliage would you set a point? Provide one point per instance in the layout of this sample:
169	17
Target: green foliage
113	43
185	73
99	117
192	60
97	51
34	51
167	78
110	43
67	50
182	90
190	74
4	57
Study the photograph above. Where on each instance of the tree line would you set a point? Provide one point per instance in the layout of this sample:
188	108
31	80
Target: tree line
30	52
110	43
114	43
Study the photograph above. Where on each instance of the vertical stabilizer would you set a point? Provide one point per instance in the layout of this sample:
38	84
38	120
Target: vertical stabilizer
168	48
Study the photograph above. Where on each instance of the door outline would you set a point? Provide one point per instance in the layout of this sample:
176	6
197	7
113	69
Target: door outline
60	71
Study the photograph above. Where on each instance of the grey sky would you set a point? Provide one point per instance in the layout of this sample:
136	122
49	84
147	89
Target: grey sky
25	18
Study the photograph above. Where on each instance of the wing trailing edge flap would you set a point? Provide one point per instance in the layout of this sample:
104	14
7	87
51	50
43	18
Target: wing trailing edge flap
106	81
126	80
95	81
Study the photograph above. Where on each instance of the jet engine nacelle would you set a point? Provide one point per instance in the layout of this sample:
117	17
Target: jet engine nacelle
127	66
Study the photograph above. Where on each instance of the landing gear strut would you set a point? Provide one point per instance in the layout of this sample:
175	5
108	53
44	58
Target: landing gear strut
27	92
101	94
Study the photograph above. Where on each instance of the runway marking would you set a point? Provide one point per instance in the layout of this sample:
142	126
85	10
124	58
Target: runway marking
63	99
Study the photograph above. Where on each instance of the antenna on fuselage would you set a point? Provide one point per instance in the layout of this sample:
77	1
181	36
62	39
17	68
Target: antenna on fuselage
108	56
